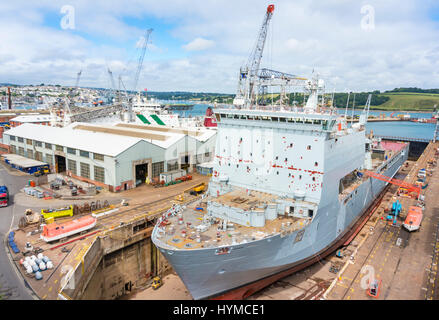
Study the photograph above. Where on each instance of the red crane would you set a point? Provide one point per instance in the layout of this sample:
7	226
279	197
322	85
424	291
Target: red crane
410	187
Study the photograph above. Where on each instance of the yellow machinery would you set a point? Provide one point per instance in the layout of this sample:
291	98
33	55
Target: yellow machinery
57	213
200	188
180	198
156	283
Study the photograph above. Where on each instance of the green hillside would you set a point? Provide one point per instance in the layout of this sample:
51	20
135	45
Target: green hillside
409	101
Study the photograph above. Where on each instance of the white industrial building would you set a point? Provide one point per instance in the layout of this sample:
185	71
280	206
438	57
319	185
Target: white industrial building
116	157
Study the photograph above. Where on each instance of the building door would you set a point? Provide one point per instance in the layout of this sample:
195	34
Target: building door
60	164
141	173
184	162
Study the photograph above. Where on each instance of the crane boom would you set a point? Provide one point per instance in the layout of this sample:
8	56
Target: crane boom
254	60
249	72
141	57
410	187
78	76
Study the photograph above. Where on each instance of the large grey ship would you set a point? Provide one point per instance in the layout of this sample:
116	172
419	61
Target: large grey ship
288	188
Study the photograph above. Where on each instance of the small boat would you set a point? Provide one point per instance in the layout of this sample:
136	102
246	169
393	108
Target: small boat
54	231
414	219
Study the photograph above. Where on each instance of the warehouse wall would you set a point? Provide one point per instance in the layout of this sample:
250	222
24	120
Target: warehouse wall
140	151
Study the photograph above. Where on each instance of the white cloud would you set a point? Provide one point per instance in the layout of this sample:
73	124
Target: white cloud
400	51
199	44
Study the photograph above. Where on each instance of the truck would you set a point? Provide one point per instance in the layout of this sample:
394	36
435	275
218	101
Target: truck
4	196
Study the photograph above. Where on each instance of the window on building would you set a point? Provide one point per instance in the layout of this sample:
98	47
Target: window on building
13	149
99	174
84	154
172	165
21	151
38	144
49	159
158	168
12	138
30	154
48	146
38	156
71	151
85	170
20	139
29	141
71	166
59	148
98	156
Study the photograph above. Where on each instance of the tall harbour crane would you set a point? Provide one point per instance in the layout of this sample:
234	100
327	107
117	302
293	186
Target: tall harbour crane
248	73
141	57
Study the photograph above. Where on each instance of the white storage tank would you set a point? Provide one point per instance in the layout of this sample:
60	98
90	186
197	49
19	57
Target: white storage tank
257	218
270	211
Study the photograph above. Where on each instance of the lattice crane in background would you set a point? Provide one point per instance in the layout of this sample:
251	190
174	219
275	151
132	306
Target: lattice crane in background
141	57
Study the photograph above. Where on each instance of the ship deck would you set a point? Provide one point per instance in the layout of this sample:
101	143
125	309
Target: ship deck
184	236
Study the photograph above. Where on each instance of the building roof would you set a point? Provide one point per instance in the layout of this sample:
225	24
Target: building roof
107	139
22	161
32	118
96	142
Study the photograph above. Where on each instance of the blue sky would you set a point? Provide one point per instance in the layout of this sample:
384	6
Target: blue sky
199	45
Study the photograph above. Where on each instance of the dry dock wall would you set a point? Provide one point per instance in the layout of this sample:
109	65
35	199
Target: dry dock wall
117	262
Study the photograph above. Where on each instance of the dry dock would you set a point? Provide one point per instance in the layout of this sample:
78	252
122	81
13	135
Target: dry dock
406	263
119	261
112	259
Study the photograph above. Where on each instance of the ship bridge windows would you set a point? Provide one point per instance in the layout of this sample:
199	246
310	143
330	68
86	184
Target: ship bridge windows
275	119
282	120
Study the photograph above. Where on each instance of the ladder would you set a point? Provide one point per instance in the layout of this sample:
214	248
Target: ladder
410	187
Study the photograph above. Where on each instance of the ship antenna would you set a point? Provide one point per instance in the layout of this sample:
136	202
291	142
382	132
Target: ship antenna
353	108
347	102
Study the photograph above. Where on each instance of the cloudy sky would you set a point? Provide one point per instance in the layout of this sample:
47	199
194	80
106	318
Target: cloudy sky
199	45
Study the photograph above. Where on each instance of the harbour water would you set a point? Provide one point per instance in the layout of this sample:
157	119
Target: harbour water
399	128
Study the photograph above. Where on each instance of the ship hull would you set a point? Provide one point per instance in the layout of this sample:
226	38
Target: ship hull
206	274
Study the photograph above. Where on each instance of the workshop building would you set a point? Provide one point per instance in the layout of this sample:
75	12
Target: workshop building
116	157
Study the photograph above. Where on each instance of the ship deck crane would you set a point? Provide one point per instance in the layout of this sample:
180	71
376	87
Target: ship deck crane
248	73
410	187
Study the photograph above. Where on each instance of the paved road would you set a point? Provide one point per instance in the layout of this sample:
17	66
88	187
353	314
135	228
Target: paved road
12	286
